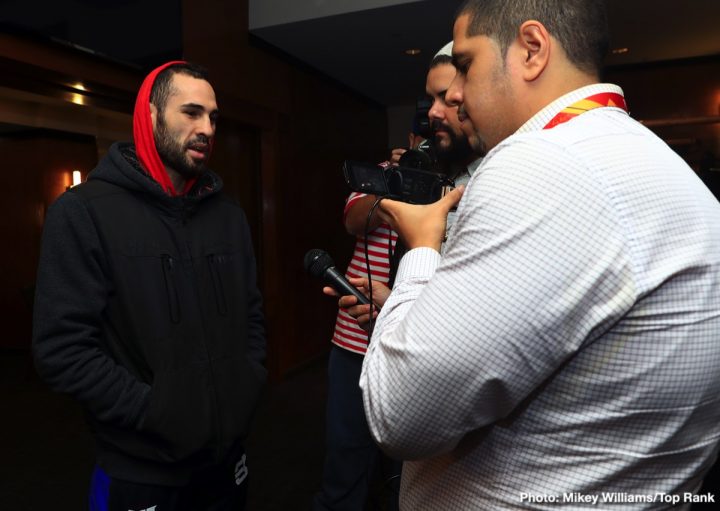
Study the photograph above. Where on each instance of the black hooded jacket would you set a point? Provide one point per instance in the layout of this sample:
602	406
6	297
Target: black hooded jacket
148	313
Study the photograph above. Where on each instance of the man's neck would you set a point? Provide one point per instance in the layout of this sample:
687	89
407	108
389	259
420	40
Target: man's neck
177	179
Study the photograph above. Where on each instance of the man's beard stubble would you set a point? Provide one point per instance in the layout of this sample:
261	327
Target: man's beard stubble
174	154
457	148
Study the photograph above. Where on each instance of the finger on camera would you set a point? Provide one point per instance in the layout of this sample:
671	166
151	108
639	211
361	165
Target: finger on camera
451	199
388	210
395	156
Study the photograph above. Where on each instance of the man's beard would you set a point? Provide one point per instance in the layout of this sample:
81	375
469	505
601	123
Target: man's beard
174	155
456	148
478	144
481	144
475	141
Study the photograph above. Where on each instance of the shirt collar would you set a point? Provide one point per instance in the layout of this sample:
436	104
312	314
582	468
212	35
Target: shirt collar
473	165
544	116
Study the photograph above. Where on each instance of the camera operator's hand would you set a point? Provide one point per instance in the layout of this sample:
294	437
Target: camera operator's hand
396	154
356	216
362	312
420	225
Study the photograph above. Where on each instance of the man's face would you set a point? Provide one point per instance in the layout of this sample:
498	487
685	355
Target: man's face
482	89
185	128
450	141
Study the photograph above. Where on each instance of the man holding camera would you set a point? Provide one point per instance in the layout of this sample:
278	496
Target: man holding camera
563	351
351	453
456	158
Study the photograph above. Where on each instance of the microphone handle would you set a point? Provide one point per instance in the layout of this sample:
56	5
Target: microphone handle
340	284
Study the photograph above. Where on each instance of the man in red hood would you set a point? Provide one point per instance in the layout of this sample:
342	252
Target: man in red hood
148	313
174	125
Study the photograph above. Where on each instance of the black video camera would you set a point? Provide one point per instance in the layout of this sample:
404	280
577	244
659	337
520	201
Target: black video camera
421	122
412	181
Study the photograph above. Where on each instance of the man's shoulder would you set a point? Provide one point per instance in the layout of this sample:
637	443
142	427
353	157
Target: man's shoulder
226	201
222	207
95	188
532	167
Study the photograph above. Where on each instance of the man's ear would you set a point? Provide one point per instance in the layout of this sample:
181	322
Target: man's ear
535	45
153	115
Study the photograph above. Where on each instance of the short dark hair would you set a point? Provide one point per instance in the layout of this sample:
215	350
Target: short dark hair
579	25
439	60
162	87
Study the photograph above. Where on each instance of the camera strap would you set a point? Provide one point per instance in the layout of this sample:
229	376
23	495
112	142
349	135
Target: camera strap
395	256
367	262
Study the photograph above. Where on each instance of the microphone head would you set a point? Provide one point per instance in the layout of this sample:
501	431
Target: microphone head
317	262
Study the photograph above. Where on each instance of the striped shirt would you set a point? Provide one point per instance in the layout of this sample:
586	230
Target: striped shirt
348	334
566	345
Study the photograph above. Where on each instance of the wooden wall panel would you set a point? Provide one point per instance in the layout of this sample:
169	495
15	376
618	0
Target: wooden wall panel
38	166
677	90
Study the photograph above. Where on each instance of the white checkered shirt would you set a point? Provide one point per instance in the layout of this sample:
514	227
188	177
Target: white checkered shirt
567	343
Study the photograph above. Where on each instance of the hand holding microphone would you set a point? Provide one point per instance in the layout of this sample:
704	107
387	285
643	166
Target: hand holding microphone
319	264
357	305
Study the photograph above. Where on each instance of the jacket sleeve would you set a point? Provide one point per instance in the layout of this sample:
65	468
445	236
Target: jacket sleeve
256	320
70	297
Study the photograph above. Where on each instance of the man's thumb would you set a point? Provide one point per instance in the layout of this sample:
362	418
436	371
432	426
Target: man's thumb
451	198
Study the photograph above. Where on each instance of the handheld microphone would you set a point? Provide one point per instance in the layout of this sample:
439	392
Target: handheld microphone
319	264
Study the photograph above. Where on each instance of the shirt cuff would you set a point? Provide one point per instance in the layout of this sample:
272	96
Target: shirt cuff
418	264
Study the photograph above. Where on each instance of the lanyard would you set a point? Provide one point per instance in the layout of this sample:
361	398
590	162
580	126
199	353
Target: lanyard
584	105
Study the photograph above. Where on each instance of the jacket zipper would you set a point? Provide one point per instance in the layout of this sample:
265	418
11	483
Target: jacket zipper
217	284
173	301
211	369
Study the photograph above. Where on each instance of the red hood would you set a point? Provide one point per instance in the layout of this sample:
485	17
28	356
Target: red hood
144	138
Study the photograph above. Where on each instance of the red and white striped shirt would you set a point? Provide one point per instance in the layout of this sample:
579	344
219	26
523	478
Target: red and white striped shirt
348	334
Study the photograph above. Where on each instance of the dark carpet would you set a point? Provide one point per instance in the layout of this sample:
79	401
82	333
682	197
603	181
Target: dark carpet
46	451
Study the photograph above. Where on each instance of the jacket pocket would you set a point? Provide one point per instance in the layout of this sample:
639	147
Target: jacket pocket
241	382
214	261
168	264
180	415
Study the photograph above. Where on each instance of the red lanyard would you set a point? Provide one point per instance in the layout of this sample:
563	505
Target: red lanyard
587	104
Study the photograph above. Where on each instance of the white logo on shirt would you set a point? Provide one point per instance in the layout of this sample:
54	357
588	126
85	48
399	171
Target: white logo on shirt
241	471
